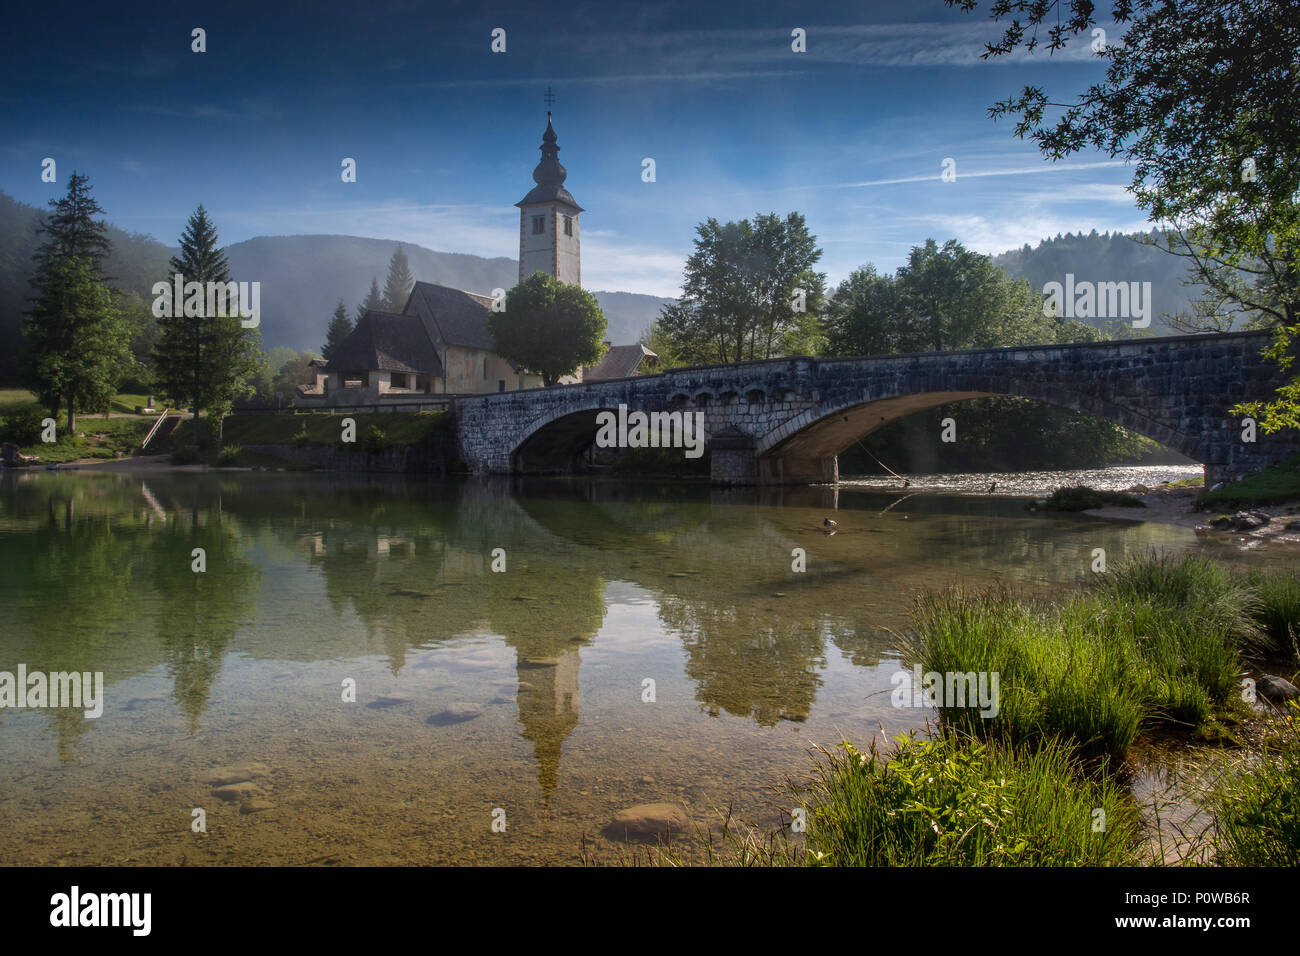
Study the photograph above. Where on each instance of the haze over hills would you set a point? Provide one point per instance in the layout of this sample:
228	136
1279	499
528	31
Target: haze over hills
303	277
1108	257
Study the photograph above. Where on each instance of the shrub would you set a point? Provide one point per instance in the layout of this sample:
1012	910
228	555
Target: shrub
228	457
22	426
375	441
1083	498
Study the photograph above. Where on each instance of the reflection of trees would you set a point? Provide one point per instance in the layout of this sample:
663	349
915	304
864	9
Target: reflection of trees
198	613
68	583
748	660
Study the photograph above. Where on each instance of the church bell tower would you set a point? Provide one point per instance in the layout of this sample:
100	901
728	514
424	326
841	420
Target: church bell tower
548	220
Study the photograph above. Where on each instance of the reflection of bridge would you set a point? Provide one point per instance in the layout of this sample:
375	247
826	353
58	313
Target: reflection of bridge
784	421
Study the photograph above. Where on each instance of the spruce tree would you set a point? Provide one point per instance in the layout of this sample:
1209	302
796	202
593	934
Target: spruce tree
77	341
339	329
72	230
374	301
204	361
69	326
400	282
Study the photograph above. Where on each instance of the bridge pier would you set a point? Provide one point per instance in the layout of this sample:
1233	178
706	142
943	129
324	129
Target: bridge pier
734	460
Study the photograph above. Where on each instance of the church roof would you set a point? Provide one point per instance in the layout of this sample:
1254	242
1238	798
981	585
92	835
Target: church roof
620	361
386	341
549	175
451	316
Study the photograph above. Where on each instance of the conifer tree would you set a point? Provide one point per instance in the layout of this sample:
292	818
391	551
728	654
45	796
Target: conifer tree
400	282
75	339
204	361
373	302
339	329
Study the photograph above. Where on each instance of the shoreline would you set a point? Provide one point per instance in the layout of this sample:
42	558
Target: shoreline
1176	506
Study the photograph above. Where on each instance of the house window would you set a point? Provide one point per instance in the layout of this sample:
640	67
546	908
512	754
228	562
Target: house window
397	380
501	385
539	225
568	225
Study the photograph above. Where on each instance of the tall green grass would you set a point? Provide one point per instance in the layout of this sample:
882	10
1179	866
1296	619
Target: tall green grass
946	801
1256	802
1278	613
1093	670
1194	588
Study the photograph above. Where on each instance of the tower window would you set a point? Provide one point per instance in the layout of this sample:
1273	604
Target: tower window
568	225
539	225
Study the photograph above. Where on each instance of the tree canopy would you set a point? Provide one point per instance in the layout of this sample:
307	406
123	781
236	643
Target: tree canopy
1202	98
749	292
548	327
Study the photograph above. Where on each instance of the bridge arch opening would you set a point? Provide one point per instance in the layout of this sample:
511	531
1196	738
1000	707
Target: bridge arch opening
831	430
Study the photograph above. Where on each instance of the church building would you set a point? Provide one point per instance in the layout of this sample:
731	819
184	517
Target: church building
440	343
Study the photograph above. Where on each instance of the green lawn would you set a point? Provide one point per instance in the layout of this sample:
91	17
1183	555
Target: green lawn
1273	485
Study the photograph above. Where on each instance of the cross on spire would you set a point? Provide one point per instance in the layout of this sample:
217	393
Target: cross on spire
549	97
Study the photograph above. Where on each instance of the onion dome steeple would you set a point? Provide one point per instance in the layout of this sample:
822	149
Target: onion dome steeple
549	174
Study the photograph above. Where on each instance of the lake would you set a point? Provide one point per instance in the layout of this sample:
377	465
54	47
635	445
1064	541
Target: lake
643	644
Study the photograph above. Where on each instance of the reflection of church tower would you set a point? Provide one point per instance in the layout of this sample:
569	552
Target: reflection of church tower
548	220
548	709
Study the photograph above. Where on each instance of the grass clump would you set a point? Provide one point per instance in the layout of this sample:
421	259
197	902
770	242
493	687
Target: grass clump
1277	612
1083	498
1155	645
1056	675
944	801
1256	802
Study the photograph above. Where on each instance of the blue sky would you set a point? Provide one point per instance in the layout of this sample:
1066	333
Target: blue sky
851	133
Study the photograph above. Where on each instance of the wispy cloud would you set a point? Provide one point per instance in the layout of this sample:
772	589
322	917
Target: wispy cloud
979	174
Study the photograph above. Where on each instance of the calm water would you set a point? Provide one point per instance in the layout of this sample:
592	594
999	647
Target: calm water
521	690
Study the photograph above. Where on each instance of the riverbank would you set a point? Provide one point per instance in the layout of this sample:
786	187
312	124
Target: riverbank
1039	772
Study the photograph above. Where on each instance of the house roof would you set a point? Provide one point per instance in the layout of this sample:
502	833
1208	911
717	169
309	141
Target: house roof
451	316
386	341
620	361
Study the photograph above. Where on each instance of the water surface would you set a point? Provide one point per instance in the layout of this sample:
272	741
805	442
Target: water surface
524	690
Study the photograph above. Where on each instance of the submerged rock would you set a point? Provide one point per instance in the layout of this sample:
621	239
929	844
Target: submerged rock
236	791
393	700
457	713
255	805
648	822
1241	521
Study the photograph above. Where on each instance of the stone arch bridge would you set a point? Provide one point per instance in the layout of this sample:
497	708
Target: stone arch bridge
784	421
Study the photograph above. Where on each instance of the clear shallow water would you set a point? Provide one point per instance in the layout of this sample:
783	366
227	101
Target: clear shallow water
312	580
